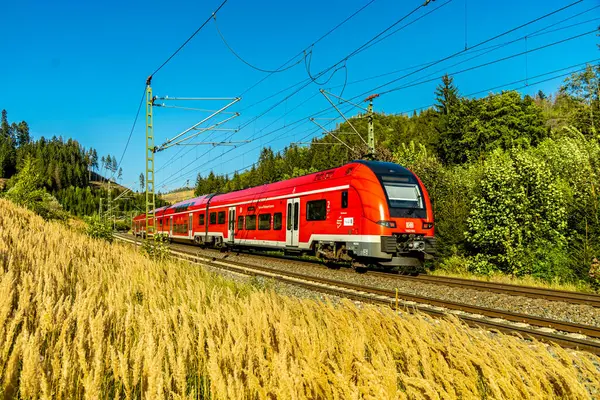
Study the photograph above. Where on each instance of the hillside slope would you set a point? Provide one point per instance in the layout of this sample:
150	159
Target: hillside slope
175	197
81	318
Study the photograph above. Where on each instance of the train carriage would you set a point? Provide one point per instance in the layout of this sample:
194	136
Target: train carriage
365	212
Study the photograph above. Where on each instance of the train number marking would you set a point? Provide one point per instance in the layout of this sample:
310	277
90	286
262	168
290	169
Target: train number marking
349	221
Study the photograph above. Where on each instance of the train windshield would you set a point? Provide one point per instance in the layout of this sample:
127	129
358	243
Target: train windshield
403	195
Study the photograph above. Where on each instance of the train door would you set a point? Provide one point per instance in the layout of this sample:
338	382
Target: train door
191	226
231	224
293	222
171	226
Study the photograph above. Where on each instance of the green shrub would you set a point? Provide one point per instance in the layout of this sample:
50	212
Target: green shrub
517	211
99	229
157	248
26	189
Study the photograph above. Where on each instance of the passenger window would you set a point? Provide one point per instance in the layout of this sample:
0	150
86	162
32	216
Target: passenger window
289	217
201	219
240	223
250	222
345	199
264	222
213	218
277	219
316	210
221	217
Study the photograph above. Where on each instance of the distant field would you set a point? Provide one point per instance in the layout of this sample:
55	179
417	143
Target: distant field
82	318
178	196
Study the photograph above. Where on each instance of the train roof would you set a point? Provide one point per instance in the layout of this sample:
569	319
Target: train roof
383	167
343	172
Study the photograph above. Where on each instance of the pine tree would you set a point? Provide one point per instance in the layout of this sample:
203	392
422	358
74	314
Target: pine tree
142	181
446	96
22	133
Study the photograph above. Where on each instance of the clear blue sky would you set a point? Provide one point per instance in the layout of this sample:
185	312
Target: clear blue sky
78	68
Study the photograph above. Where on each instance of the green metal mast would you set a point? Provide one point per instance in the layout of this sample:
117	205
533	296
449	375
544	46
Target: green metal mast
370	127
150	204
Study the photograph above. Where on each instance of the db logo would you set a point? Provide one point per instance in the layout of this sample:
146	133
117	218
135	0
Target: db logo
410	225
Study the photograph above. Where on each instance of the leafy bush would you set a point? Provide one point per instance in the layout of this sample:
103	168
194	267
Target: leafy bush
518	208
26	189
122	225
99	229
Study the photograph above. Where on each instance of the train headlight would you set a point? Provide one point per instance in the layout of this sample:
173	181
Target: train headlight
387	224
427	225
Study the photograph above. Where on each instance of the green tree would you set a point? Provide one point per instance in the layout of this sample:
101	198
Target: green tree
584	88
26	189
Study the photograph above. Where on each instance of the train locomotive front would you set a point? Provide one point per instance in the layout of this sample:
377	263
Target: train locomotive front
397	227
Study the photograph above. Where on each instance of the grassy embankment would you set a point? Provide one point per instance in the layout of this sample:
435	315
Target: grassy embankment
81	318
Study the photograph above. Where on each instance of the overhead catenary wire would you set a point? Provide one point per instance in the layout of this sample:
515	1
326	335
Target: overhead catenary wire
500	86
488	49
296	124
322	37
472	47
489	62
137	114
270	71
189	38
333	66
571	71
356	51
440	60
413	72
489	89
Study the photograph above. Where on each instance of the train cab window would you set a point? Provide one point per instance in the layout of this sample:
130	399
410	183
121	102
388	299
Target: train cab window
221	217
403	195
240	224
316	210
345	199
264	222
213	218
201	219
250	222
277	219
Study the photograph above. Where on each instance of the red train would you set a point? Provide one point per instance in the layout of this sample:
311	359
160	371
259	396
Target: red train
365	212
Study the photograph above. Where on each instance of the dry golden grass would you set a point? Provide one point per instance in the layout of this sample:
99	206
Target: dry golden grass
80	318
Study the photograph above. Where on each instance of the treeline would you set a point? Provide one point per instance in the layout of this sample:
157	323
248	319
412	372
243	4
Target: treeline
513	179
72	177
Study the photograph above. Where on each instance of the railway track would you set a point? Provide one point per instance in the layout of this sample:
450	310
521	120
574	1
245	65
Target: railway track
589	299
566	334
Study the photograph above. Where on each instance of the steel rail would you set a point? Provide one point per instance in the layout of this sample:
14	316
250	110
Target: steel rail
391	298
589	299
